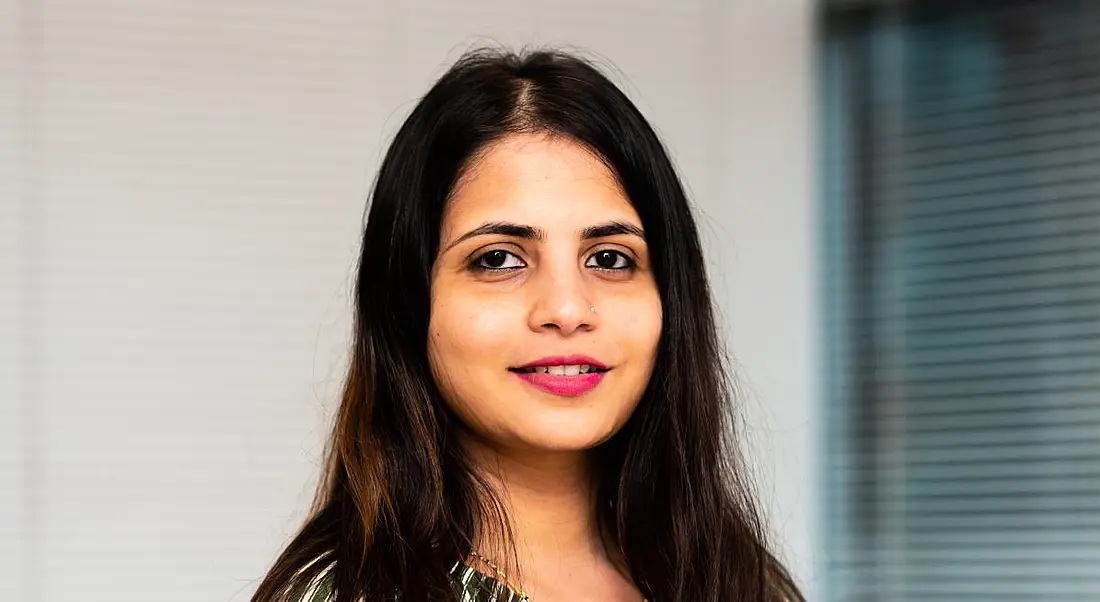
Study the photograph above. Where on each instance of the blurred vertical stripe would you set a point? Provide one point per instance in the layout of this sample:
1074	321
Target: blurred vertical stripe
962	189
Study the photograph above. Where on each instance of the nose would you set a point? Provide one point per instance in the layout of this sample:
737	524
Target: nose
561	303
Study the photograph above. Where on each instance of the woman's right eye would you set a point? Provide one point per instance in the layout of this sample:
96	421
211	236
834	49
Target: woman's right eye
498	260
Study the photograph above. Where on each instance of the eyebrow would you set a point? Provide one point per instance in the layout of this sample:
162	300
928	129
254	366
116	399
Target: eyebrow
614	228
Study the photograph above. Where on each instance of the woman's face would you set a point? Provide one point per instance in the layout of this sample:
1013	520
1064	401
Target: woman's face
545	313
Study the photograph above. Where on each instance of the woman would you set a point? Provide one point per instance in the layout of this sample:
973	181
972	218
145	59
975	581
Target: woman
535	403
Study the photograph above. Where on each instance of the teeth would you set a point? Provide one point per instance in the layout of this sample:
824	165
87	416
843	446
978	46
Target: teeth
571	370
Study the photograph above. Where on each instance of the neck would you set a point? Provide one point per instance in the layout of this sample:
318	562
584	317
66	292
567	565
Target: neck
549	498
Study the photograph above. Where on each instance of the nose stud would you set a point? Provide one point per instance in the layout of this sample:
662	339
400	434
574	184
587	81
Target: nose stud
593	308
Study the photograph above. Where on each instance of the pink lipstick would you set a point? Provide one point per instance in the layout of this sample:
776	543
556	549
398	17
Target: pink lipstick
565	376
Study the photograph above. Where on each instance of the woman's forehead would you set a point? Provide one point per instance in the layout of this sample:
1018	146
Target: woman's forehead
549	182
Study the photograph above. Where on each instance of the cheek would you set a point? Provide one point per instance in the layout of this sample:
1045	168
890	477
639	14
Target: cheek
640	324
466	336
468	352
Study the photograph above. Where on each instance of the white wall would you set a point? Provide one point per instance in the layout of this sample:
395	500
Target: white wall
182	185
13	297
764	243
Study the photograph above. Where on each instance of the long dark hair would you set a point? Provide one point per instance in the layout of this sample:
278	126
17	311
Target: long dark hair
399	502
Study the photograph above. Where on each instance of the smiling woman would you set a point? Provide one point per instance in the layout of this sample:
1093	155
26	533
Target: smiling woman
536	404
542	235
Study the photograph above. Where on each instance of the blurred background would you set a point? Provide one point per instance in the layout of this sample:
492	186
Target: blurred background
961	239
900	203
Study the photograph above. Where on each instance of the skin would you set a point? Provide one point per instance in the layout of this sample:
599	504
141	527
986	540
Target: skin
485	322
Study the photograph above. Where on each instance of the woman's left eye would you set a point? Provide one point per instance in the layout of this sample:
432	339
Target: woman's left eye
609	260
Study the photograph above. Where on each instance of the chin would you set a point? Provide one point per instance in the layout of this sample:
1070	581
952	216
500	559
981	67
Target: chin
562	444
568	433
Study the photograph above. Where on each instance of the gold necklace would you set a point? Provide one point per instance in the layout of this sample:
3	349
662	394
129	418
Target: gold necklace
501	575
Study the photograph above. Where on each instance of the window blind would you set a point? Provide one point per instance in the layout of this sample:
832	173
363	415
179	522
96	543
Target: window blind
963	185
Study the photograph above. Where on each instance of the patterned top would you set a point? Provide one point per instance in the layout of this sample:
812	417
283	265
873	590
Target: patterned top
470	586
474	586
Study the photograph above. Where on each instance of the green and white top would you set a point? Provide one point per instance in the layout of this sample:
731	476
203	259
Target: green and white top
470	586
473	586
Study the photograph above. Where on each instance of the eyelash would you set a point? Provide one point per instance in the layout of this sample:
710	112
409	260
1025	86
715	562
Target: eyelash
477	265
628	260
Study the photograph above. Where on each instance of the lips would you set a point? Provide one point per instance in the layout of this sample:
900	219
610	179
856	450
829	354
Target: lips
564	376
